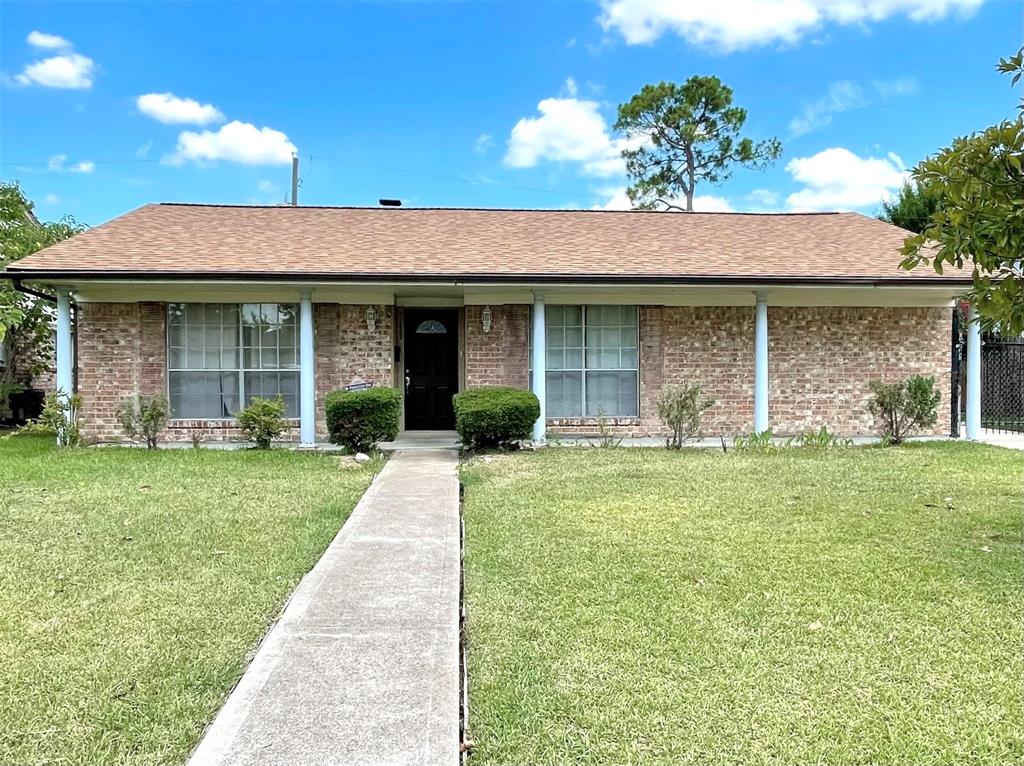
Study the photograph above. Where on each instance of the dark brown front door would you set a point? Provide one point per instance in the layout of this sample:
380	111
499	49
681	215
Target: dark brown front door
431	368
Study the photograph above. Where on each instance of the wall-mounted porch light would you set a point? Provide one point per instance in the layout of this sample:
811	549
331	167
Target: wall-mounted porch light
487	319
371	319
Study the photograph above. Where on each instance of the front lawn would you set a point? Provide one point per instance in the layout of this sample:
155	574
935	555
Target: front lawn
635	606
134	586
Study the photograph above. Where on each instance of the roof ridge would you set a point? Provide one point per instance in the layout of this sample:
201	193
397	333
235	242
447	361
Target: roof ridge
485	209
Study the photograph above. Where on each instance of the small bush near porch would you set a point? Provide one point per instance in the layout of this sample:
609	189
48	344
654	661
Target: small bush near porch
645	607
135	584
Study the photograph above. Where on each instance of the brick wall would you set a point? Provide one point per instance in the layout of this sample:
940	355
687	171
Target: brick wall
820	363
108	364
122	351
346	348
713	346
500	357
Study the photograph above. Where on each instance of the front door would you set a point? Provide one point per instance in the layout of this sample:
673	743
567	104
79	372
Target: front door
431	368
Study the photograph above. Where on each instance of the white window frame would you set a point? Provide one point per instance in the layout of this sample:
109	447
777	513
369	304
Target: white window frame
241	369
584	308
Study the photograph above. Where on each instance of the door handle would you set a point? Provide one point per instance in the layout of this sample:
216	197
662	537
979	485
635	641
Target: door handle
407	384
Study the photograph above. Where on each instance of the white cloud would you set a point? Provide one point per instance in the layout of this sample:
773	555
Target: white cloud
143	151
483	143
842	96
235	142
763	199
730	25
845	96
171	110
51	199
837	179
70	71
56	164
568	130
901	86
702	203
265	186
43	40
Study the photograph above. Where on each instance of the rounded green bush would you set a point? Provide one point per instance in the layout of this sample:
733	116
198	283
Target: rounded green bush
495	416
359	420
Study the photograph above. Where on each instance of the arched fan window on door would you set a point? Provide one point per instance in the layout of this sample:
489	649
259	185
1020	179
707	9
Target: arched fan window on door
431	327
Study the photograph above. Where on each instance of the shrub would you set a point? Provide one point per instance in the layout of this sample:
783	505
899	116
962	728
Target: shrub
904	406
144	416
263	420
59	418
359	420
495	416
681	410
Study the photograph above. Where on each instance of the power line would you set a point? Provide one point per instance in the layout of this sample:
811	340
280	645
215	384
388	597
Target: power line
462	179
48	163
370	166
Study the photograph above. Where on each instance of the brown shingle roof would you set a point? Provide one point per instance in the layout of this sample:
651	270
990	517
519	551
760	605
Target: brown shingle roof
445	244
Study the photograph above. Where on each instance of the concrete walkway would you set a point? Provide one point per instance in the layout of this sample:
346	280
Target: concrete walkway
363	666
1007	439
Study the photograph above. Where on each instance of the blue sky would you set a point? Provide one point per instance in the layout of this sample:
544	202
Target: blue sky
104	107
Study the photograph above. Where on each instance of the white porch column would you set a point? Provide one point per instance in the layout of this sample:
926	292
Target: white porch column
761	363
973	375
540	356
65	374
307	387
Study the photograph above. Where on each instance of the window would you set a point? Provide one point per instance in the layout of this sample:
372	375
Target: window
220	355
431	327
592	361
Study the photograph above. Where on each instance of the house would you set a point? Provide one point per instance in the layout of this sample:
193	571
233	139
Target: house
782	318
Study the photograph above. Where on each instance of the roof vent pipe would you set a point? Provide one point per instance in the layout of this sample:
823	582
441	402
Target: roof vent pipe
390	202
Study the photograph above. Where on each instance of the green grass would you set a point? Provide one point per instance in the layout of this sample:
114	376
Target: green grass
134	586
643	607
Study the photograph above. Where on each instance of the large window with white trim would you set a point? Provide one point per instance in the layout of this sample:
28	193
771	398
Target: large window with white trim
592	361
220	355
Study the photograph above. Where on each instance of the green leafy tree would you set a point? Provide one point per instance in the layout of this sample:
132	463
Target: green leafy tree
912	209
26	324
979	220
683	135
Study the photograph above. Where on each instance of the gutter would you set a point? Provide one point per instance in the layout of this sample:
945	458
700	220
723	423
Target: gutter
29	291
458	279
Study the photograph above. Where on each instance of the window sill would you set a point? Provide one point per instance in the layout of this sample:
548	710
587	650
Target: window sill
221	422
623	420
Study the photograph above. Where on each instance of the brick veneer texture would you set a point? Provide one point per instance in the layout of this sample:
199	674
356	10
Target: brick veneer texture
346	348
500	357
122	351
820	362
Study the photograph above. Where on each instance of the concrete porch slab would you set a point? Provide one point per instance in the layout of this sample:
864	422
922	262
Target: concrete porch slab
417	440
